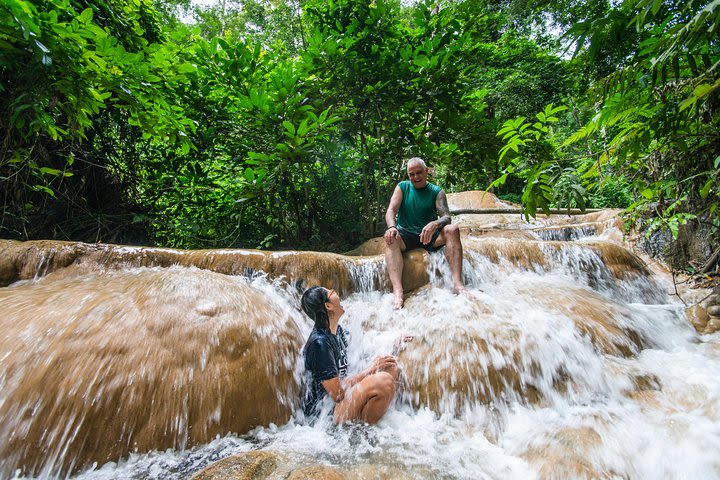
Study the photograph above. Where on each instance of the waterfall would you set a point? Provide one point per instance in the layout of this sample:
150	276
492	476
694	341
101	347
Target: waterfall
569	360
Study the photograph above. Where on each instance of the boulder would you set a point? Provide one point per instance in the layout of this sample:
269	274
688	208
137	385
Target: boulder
96	366
476	199
464	353
316	472
712	326
255	465
262	465
567	454
698	317
33	259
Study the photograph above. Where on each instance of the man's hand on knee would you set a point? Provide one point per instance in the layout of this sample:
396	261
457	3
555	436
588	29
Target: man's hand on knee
428	232
391	235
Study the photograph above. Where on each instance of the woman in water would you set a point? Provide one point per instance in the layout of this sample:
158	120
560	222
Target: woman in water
362	397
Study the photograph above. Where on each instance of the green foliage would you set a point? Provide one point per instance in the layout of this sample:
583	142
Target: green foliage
271	23
610	192
531	153
655	118
285	124
659	118
511	197
73	75
521	77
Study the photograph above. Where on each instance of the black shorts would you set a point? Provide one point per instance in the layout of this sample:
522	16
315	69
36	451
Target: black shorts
412	240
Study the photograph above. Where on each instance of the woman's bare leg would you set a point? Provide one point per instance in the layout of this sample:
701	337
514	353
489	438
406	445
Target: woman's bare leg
394	372
368	400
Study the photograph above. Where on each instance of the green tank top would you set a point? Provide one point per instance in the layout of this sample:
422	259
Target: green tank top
418	206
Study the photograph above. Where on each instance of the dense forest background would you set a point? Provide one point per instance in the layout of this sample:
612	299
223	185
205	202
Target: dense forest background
284	124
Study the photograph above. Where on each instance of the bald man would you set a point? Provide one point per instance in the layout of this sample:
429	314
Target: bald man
419	217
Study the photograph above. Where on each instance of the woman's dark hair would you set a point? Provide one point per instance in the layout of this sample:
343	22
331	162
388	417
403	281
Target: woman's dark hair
313	304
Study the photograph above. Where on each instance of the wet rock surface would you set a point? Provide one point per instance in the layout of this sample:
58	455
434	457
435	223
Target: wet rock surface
139	349
443	362
695	244
713	313
276	465
565	455
34	259
248	466
704	316
267	465
96	366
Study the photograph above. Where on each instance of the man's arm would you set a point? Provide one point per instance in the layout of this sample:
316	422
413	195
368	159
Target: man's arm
395	201
443	210
393	207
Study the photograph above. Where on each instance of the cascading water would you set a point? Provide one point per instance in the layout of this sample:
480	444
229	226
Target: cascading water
569	361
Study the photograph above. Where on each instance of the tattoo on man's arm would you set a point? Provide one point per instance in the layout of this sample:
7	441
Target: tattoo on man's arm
443	211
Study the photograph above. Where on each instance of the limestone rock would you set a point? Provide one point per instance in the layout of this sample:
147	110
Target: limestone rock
266	465
138	360
604	322
713	311
374	246
33	259
247	466
476	199
646	382
317	472
712	326
473	359
414	273
566	454
694	242
386	472
698	317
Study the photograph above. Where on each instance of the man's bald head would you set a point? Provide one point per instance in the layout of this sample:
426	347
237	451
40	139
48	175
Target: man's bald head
417	172
416	161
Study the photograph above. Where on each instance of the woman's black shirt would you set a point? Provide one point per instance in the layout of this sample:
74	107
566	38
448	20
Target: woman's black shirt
325	358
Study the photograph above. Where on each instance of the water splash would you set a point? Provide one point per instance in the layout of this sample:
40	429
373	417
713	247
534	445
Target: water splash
561	365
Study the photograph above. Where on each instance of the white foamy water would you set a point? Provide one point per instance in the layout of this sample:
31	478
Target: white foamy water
605	403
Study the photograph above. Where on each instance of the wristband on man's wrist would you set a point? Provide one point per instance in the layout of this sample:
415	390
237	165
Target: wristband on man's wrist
391	226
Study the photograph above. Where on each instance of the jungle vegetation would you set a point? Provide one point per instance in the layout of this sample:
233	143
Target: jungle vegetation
284	124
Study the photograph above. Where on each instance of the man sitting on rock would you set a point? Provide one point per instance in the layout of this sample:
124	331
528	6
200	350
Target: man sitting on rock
419	217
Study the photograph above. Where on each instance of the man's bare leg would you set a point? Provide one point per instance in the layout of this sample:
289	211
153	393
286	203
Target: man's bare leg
454	255
394	264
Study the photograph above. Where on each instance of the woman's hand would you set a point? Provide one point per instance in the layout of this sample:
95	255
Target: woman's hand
385	363
400	343
382	363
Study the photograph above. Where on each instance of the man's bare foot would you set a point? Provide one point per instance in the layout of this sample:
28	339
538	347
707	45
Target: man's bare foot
461	290
398	302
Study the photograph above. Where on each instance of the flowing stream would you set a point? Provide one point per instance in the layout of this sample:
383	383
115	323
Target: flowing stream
569	361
